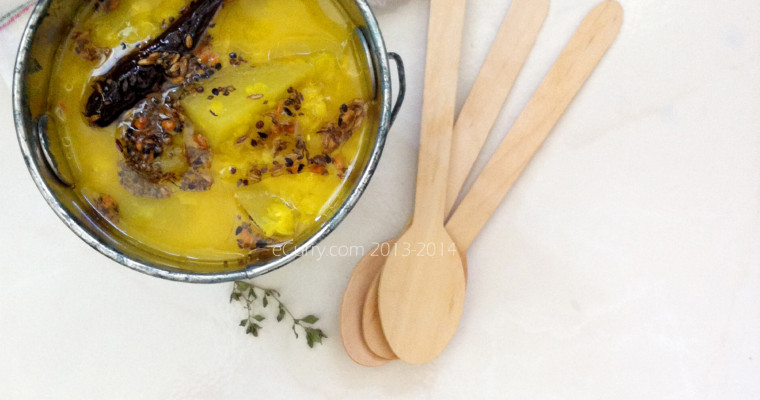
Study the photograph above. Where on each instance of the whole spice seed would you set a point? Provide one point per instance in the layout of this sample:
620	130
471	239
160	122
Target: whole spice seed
147	133
85	49
350	120
201	141
107	207
254	175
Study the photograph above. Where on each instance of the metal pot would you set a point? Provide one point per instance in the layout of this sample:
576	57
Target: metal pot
49	24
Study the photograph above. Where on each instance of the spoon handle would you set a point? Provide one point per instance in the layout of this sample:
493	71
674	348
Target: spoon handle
438	104
505	60
579	58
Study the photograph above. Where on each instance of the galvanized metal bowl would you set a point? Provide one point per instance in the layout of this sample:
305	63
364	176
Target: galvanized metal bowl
43	154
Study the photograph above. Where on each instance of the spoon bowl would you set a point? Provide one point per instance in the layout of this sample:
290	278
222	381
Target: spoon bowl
421	297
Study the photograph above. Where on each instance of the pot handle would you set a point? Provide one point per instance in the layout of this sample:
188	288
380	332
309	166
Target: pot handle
401	85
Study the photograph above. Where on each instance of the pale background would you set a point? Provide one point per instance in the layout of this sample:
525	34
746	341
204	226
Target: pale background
625	264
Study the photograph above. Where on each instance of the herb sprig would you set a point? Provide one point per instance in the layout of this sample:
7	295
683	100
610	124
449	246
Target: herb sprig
255	298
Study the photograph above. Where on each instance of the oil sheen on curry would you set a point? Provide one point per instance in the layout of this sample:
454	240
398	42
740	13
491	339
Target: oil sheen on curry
213	130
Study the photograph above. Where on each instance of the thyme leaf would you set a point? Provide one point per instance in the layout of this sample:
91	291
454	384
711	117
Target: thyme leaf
255	298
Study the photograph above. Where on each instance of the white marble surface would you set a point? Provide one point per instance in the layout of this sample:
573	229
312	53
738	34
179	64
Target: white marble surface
625	264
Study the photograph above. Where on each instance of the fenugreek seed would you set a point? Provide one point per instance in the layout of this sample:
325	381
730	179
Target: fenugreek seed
189	41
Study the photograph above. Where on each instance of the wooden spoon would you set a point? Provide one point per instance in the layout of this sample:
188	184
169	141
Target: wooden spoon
421	298
503	64
570	72
579	58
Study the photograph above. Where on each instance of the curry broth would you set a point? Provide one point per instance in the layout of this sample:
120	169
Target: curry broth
269	53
